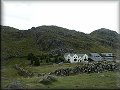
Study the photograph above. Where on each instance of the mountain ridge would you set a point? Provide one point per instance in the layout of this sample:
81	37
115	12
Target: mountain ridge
57	27
56	40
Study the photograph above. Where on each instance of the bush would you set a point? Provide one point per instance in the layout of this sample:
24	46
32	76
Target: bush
36	62
66	61
30	56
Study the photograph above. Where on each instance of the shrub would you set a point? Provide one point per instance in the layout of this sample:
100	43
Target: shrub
36	62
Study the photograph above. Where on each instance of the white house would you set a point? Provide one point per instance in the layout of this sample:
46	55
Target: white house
84	57
107	56
95	57
74	58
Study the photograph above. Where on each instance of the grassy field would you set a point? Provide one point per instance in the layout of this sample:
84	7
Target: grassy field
107	80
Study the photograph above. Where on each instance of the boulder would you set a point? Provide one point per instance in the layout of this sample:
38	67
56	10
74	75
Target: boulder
48	80
16	85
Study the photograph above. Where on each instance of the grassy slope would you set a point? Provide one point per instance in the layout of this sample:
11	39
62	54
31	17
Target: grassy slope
21	42
93	80
18	47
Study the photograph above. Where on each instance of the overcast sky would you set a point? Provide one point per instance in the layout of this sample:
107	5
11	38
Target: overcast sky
83	16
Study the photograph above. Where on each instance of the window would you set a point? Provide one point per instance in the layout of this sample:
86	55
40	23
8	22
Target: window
75	59
109	54
85	59
68	59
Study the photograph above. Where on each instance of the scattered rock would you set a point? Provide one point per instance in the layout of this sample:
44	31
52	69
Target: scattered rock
16	85
23	72
48	80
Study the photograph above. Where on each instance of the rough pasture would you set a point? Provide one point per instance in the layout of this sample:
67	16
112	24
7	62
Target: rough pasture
107	79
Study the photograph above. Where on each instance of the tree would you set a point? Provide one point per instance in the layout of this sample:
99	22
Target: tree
31	57
52	60
60	59
47	59
36	61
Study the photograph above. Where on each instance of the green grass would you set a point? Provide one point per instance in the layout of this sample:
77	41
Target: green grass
94	80
49	68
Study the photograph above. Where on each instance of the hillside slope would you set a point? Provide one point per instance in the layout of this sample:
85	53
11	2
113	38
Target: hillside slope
56	40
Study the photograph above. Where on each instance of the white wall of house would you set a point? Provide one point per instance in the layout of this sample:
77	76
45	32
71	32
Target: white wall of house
68	57
85	57
82	59
75	58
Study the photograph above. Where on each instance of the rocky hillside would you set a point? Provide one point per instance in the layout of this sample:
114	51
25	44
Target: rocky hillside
56	40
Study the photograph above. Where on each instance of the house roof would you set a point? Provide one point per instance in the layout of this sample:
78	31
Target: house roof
66	54
72	55
106	54
79	55
94	54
